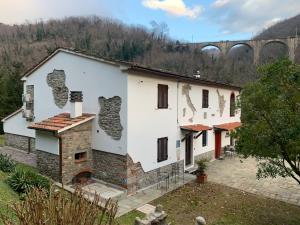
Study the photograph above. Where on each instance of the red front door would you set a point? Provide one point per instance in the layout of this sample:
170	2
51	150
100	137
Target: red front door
217	144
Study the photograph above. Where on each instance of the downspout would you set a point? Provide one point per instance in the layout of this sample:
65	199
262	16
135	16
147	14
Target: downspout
60	156
177	102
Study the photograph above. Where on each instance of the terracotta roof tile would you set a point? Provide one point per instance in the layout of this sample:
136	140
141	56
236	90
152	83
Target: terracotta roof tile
228	126
196	127
61	122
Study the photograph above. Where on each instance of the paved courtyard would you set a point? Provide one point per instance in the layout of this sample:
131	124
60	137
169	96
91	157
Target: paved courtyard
19	155
241	174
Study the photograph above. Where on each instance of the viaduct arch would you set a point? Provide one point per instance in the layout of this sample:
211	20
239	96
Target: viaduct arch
292	44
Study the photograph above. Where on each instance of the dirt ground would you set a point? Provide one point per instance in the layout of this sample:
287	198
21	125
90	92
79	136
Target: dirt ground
219	204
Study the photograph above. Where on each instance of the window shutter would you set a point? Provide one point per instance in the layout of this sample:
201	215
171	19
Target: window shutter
162	149
205	98
162	96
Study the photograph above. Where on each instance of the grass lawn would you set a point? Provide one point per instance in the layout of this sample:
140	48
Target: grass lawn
7	195
221	205
1	140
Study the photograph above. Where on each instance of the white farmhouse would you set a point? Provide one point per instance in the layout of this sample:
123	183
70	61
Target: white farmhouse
117	121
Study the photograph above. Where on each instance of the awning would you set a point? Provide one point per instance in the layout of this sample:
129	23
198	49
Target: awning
228	126
196	127
61	122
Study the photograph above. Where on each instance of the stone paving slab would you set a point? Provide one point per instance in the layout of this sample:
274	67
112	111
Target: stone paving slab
147	195
19	155
241	174
103	190
146	209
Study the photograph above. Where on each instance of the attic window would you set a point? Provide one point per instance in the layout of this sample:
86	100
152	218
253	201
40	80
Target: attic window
80	157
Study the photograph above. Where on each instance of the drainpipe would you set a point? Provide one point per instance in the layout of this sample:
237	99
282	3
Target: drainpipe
60	156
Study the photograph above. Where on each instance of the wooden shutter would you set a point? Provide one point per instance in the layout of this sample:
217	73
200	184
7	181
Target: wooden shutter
205	97
162	96
162	149
232	105
204	138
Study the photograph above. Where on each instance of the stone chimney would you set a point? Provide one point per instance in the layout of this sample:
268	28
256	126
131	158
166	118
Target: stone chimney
76	103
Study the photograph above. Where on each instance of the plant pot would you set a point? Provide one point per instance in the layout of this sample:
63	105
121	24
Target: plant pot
201	178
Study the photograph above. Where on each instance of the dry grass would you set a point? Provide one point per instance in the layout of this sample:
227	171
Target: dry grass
58	207
219	204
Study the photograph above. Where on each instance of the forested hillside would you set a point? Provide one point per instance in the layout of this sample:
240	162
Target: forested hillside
286	28
22	46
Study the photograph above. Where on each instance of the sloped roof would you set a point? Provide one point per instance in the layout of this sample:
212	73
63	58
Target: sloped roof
196	127
228	126
133	67
12	114
61	122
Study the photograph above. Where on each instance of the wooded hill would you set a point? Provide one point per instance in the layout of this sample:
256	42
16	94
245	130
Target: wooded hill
22	46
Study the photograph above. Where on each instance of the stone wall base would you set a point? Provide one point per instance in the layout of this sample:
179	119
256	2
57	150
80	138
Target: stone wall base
48	164
110	167
20	142
151	177
122	171
207	155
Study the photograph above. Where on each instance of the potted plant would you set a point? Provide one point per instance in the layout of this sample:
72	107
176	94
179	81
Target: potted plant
200	172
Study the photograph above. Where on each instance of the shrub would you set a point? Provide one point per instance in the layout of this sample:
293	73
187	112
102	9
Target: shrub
201	166
58	207
22	180
7	165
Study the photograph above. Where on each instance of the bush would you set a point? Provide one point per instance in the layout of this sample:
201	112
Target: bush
201	166
58	207
7	165
24	179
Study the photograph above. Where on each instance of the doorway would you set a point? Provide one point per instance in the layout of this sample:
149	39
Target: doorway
188	150
218	144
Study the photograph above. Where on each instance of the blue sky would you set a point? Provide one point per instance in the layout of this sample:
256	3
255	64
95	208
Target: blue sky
190	20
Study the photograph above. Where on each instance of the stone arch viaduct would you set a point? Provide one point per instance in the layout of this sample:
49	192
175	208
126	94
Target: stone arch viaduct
292	44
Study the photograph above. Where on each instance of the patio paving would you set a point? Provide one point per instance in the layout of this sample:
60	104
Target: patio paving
241	174
19	155
147	195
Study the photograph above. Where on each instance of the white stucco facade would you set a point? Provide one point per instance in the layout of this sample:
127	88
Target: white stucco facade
142	122
94	79
147	123
47	142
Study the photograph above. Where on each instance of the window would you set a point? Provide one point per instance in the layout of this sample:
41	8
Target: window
79	157
162	149
232	105
163	96
204	138
204	98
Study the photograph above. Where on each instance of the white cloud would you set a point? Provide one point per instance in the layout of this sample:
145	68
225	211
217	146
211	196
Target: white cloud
250	15
174	7
220	3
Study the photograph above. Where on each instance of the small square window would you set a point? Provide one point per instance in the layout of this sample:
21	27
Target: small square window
81	156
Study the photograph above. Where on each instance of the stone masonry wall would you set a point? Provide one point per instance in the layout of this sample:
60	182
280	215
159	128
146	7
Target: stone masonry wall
109	116
19	142
207	155
110	167
76	140
121	170
57	81
138	179
48	164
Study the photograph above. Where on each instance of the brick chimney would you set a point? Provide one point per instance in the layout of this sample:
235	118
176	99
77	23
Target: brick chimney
76	104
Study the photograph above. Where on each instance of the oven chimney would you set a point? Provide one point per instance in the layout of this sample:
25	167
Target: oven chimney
76	103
